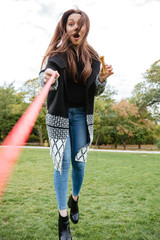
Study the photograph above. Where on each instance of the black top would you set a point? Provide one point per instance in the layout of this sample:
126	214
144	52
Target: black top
57	101
76	90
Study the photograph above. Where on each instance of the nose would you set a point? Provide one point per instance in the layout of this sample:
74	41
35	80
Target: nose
76	26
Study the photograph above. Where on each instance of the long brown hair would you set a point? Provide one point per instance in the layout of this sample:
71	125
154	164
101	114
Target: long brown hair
60	43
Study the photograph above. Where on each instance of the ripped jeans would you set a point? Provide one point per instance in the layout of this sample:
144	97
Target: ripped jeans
77	138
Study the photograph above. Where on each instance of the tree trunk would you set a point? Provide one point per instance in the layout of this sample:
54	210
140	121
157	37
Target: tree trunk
97	139
139	146
40	135
124	145
3	135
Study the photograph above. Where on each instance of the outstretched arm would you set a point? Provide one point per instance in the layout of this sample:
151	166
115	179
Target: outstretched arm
45	76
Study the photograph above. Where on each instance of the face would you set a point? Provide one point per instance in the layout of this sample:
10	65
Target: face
76	37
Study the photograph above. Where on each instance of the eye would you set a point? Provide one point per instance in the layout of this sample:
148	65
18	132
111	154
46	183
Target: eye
71	24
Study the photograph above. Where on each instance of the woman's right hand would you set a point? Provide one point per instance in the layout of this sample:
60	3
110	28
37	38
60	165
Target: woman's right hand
48	73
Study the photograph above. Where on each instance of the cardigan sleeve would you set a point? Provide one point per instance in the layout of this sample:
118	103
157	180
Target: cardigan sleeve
54	86
100	86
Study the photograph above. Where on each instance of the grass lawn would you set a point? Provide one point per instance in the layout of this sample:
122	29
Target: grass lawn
120	198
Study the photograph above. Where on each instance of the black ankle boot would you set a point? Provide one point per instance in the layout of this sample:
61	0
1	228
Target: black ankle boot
74	213
64	229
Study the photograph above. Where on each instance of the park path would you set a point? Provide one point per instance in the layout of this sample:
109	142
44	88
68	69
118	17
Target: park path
106	150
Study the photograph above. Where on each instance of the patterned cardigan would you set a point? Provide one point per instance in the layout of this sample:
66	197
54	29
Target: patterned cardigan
57	109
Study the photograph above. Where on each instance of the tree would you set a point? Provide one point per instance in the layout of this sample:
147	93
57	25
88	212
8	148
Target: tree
99	111
127	114
146	94
143	130
157	135
11	108
132	124
13	104
31	89
101	119
152	77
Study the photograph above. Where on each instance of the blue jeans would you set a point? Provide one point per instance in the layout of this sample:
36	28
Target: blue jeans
77	138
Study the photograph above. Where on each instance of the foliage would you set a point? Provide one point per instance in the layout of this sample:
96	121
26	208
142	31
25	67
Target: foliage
127	114
158	143
157	131
31	88
146	94
121	122
33	138
132	121
13	103
12	106
102	117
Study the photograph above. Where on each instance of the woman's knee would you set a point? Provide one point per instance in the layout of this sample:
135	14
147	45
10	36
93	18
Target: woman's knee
78	166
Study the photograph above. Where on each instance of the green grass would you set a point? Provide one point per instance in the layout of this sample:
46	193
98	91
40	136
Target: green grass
120	198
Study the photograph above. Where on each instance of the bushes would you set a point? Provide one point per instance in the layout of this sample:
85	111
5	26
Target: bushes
158	143
33	138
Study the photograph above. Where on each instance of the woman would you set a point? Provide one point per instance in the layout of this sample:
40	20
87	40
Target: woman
70	104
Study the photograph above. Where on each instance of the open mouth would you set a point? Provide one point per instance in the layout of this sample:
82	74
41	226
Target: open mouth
76	35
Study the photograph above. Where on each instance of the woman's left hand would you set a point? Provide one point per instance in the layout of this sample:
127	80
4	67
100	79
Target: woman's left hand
103	76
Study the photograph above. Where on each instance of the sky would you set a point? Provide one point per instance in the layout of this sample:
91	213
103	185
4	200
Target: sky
126	32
